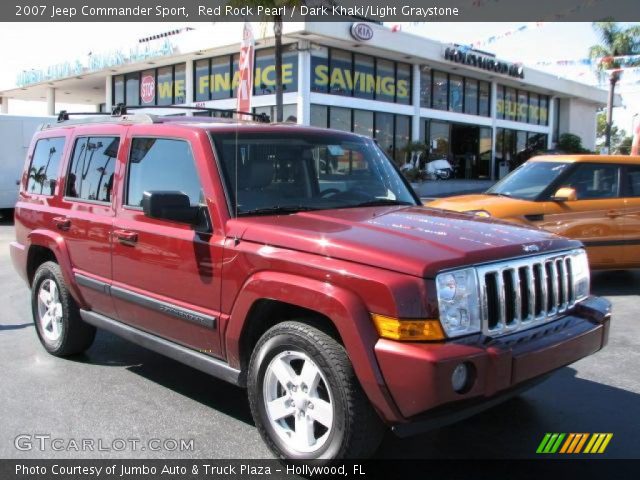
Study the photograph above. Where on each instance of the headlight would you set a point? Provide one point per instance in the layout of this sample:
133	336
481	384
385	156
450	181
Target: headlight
581	274
479	213
458	302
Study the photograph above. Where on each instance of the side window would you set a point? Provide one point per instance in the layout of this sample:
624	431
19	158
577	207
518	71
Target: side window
632	179
92	167
594	181
157	164
44	166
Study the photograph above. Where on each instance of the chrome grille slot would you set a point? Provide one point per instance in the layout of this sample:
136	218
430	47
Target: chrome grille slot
520	293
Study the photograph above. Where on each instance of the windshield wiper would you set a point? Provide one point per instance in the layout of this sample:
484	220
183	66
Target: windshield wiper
277	209
498	194
379	202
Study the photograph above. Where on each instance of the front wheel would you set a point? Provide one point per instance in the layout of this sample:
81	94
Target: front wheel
56	315
305	398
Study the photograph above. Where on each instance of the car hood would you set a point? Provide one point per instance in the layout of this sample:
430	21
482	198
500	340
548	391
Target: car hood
514	209
414	240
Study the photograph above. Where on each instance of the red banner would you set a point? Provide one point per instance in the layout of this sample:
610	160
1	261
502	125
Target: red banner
245	85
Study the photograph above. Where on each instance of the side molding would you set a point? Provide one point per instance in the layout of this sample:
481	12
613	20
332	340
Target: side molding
147	302
199	361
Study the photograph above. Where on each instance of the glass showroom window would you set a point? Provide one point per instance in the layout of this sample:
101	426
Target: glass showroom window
386	76
340	69
523	106
544	110
500	112
220	78
319	116
202	89
365	76
319	69
440	90
534	108
118	89
179	83
403	83
439	139
384	132
471	96
425	87
363	122
340	119
165	79
484	100
402	137
510	99
152	94
456	93
132	89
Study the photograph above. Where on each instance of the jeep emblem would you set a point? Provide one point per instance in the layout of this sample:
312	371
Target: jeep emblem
531	248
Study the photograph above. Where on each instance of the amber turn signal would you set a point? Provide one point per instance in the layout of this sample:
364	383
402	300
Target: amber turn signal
407	330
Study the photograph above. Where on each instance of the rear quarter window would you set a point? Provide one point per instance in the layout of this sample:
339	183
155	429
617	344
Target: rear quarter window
43	171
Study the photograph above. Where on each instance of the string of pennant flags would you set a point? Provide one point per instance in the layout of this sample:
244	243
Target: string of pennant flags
529	26
622	60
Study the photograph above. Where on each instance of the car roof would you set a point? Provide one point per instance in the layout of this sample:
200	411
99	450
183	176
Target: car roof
626	159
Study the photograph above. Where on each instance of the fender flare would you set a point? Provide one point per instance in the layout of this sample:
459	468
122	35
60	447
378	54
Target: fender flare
344	308
57	244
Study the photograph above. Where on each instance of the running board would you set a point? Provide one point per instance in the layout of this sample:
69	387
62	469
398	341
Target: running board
197	360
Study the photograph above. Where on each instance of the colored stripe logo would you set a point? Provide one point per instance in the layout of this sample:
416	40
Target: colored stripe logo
574	443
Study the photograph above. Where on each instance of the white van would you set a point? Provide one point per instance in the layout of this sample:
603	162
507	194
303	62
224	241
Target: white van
16	132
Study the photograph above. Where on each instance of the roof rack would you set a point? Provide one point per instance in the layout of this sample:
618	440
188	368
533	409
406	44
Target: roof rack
120	113
122	109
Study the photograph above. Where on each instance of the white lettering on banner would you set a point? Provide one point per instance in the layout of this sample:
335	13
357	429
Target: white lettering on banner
245	86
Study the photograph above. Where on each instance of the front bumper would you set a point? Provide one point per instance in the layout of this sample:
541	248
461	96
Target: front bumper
418	375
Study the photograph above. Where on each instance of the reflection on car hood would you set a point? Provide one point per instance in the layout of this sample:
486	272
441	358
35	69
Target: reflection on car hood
414	240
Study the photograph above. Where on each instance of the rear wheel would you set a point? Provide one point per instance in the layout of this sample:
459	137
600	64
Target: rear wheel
305	398
56	315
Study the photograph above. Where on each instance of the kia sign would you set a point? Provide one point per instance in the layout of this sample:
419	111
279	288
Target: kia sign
361	31
148	89
245	85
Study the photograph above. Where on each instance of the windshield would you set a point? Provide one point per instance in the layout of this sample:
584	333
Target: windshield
271	173
528	180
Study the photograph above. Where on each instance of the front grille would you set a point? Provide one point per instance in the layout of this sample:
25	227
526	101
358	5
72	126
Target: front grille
520	293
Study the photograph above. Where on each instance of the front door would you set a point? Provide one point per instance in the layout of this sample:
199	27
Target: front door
631	193
166	276
596	217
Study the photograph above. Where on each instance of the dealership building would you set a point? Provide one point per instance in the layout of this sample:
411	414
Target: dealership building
485	114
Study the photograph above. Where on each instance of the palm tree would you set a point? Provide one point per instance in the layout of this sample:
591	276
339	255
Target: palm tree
615	41
277	31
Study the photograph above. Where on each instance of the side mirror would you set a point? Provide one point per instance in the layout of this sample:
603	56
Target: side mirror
173	206
565	194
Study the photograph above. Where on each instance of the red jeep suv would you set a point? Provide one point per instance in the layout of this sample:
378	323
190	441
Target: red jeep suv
296	262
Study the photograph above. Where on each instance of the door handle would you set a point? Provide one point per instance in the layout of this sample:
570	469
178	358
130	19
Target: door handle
613	213
126	236
62	223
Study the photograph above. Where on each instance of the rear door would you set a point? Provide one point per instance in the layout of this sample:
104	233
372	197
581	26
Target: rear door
596	217
87	222
631	192
166	276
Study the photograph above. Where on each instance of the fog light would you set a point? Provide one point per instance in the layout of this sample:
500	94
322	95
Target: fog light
460	378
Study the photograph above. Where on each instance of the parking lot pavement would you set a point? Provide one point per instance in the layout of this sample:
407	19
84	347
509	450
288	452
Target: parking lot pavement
118	390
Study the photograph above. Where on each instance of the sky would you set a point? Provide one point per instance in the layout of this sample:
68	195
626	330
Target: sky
43	44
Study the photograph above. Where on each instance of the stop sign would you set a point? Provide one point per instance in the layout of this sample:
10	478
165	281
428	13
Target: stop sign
148	89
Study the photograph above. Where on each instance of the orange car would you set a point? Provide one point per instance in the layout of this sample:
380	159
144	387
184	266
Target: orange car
592	198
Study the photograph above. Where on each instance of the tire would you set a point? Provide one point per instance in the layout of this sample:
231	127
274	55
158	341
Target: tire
332	419
56	315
